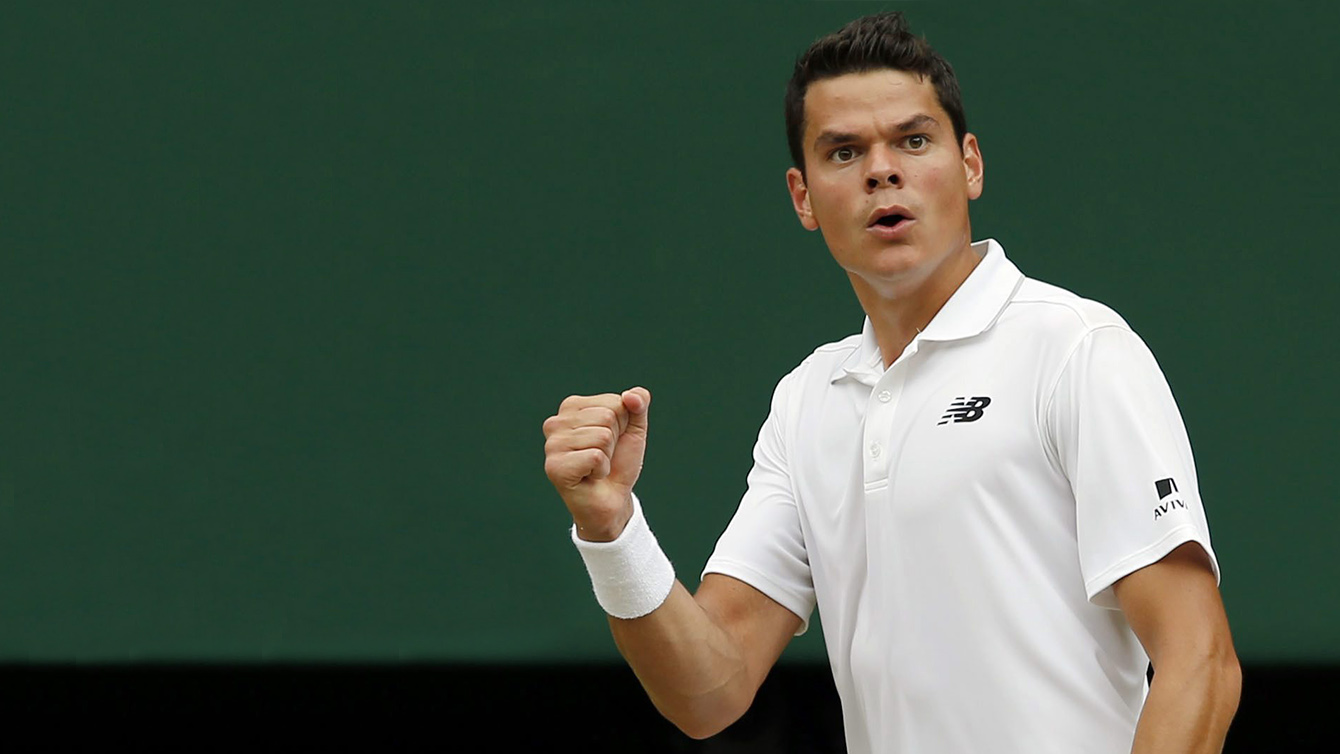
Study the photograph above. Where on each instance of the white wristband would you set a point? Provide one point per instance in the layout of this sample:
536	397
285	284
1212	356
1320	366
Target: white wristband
631	575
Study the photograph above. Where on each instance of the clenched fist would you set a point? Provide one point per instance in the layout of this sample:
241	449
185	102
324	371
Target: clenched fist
593	454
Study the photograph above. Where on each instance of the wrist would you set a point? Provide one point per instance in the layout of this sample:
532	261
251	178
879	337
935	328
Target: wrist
606	528
630	574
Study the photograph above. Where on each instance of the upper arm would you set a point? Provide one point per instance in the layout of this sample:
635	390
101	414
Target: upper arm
1174	607
764	543
758	626
1121	443
756	587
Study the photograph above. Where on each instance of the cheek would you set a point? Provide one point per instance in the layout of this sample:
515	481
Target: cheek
825	202
946	183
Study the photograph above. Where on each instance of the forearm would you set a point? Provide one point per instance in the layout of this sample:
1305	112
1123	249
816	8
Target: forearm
1189	707
693	670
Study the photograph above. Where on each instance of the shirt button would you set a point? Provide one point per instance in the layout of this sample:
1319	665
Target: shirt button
874	449
885	396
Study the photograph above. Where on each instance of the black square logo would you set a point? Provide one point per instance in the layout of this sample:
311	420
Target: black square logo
1165	487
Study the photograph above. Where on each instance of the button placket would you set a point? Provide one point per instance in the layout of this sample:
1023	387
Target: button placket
880	410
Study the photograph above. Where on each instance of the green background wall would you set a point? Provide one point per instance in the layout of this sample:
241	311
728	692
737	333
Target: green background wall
287	292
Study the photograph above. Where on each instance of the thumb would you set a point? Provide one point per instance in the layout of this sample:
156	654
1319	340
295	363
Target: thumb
637	400
629	451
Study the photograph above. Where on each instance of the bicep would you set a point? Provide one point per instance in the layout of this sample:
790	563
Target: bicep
1175	609
758	625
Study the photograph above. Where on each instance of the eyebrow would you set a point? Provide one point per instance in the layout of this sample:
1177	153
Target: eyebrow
829	138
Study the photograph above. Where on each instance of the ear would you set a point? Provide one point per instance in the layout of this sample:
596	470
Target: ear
972	165
800	199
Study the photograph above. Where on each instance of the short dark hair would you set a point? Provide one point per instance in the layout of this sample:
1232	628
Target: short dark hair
868	44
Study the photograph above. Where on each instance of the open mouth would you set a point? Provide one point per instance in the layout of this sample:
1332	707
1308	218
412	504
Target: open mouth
889	218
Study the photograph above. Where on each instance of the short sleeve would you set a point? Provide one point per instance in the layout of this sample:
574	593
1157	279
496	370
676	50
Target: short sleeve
1121	442
763	545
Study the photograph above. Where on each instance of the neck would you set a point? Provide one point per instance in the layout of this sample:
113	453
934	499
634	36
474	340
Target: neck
899	313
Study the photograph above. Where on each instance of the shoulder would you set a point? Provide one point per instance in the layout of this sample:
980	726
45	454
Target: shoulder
1070	339
1056	319
1054	305
815	373
833	353
1089	348
826	360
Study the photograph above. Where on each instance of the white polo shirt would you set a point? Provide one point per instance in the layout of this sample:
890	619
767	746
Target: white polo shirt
960	517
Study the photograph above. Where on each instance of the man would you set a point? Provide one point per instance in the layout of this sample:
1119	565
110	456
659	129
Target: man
988	493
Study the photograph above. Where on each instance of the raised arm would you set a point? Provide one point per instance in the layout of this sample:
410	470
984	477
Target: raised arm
701	658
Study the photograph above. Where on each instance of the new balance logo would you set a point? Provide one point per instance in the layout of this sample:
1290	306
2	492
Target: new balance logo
1166	488
965	409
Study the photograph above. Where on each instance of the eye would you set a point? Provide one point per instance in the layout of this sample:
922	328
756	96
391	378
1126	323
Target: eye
843	154
917	141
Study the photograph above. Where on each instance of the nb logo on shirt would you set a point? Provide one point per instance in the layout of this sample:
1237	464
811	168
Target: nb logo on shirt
965	409
1166	488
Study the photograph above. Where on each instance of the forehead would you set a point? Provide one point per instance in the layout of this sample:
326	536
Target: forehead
857	102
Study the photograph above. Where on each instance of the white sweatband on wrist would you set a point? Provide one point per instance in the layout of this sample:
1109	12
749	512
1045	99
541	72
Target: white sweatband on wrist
631	575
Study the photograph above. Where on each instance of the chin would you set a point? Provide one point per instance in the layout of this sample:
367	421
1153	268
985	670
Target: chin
892	281
898	263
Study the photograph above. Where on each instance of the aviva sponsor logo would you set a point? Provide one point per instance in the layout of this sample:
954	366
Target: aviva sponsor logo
1168	498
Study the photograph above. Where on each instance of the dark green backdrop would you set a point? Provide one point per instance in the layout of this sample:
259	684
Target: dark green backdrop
288	290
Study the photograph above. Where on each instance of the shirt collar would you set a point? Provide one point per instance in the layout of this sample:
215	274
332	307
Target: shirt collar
971	311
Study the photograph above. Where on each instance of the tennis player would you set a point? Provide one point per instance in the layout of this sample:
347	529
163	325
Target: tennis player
988	493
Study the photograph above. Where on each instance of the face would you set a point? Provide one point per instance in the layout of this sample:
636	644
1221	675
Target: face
878	146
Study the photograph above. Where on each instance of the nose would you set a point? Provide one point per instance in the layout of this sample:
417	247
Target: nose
882	169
